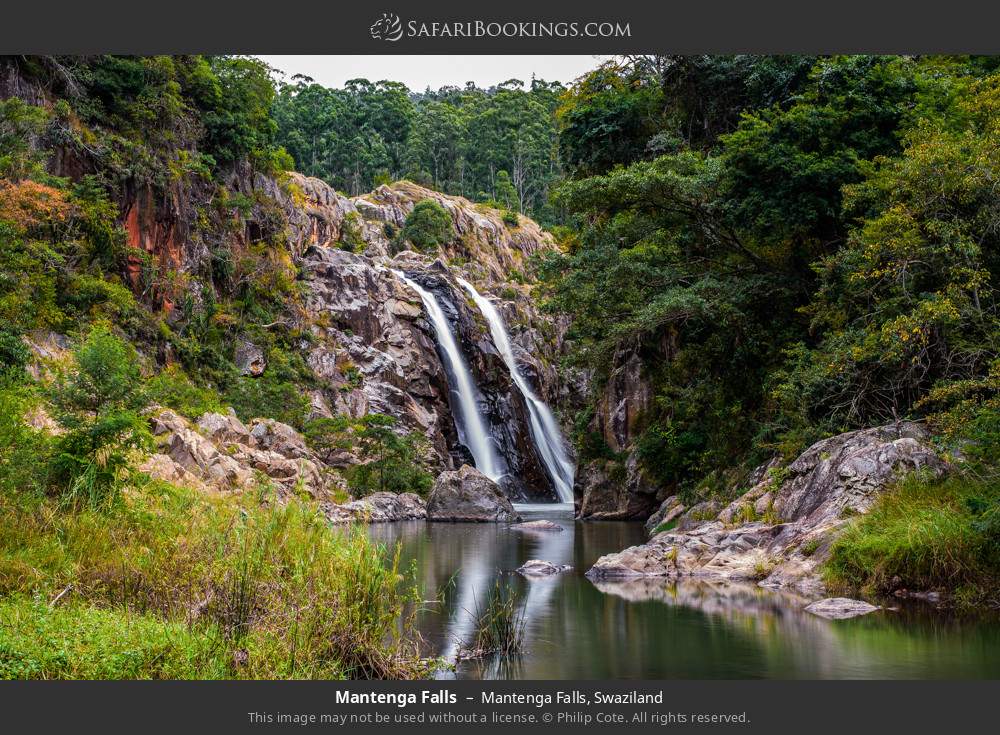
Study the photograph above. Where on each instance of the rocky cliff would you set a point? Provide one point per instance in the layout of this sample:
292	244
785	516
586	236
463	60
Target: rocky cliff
368	342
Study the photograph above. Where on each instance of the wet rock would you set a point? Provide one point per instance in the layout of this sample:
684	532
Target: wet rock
539	568
467	495
840	608
378	508
540	525
779	531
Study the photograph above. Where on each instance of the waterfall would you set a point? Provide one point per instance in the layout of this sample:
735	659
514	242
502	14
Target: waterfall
542	424
472	430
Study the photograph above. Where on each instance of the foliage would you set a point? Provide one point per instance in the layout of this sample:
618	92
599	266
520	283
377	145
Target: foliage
924	534
390	460
793	247
488	144
98	403
172	388
174	583
427	227
275	394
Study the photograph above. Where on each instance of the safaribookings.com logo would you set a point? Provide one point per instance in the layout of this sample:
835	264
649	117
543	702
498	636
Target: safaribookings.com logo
390	28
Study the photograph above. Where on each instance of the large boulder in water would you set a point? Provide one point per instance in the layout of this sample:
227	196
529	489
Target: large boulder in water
467	495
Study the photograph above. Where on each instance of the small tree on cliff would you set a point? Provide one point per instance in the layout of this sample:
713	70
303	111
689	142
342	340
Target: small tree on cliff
427	227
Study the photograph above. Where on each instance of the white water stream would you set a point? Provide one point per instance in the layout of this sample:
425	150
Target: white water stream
472	428
542	424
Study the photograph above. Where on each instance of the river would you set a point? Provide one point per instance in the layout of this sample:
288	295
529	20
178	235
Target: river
654	629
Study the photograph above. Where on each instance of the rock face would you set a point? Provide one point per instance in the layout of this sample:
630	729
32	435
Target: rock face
372	345
840	608
669	510
467	495
378	508
539	568
780	530
625	396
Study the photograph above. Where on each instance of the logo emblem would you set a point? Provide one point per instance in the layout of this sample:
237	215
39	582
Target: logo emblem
387	28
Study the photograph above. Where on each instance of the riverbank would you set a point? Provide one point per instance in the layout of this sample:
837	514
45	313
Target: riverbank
175	583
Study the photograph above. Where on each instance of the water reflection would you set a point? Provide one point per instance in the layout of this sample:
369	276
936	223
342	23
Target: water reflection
656	629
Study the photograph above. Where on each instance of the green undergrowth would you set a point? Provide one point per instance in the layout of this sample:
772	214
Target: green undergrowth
924	534
171	583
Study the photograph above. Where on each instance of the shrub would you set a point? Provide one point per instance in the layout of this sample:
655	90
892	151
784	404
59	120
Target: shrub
241	590
351	238
510	218
275	394
389	459
172	388
14	353
428	226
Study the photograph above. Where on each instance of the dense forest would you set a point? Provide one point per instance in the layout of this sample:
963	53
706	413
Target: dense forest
789	247
495	145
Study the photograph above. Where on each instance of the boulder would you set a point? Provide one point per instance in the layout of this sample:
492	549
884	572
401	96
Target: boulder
250	359
279	438
467	495
378	508
669	509
779	531
539	568
840	608
540	525
224	428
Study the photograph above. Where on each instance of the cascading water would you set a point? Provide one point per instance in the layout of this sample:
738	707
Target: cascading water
472	429
542	424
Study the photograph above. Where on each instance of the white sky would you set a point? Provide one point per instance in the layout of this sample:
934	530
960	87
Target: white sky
419	72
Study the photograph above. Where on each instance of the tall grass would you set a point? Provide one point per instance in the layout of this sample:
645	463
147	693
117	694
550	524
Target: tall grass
499	624
924	534
272	590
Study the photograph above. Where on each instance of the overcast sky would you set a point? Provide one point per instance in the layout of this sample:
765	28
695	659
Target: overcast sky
420	72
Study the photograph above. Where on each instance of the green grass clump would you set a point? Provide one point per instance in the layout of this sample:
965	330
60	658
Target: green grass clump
499	625
924	534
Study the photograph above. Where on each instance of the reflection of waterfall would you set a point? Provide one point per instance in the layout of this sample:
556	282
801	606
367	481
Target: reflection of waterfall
472	429
545	432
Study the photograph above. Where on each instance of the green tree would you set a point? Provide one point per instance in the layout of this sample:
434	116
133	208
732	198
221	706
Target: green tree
428	226
390	460
98	405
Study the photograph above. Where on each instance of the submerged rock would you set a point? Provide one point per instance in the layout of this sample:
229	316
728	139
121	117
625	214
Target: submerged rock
540	525
467	495
378	508
840	608
539	568
778	532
